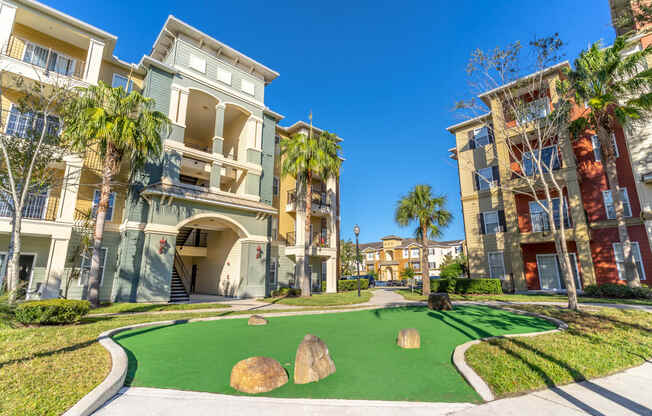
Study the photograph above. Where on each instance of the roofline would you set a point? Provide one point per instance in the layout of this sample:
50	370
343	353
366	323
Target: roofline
69	19
148	60
302	123
273	113
467	122
272	74
509	84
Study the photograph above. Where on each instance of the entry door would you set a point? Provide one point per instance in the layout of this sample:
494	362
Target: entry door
574	270
548	271
25	266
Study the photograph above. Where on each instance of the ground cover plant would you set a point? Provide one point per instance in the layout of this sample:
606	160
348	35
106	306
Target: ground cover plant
324	299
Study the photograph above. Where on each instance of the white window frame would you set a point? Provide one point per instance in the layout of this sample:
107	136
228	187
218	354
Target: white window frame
536	204
486	182
273	271
476	136
59	54
412	251
484	220
94	205
275	186
196	62
370	256
247	87
377	256
502	261
90	261
129	83
625	199
597	153
532	111
13	106
224	76
406	253
533	157
636	251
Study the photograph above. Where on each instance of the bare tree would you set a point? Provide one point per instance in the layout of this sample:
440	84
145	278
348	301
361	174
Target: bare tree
532	119
30	148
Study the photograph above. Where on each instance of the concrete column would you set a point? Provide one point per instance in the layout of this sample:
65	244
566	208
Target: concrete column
580	229
216	174
55	268
173	110
69	188
7	17
171	166
331	275
93	61
252	184
183	107
219	120
157	264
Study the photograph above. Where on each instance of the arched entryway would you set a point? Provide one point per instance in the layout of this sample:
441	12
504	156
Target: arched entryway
389	274
207	258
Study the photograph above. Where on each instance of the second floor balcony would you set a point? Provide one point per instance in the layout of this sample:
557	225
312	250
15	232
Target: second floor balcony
318	239
319	205
37	207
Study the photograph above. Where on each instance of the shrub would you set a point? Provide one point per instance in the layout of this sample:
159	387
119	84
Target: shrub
51	311
452	270
289	292
348	285
618	291
467	286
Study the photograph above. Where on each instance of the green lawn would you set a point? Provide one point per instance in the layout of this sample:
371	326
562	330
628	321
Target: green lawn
154	307
325	299
362	343
597	343
409	295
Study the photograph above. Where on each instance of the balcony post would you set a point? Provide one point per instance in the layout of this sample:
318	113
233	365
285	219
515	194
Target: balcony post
69	188
55	268
216	174
93	61
218	136
7	17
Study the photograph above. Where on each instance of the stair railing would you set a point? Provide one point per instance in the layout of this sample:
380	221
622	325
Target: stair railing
181	271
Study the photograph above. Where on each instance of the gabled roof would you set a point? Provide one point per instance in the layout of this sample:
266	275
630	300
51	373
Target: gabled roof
391	237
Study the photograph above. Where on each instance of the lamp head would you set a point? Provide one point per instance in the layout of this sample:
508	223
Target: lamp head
356	230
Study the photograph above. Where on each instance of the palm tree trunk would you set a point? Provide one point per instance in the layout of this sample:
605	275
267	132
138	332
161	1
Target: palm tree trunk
425	272
631	273
305	281
13	257
105	193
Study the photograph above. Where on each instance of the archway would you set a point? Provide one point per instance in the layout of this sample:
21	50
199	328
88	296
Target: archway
208	255
200	121
389	274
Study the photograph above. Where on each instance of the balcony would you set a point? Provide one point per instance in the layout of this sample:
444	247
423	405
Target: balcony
540	222
35	208
46	64
320	205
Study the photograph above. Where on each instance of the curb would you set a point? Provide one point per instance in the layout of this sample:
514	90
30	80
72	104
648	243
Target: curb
478	384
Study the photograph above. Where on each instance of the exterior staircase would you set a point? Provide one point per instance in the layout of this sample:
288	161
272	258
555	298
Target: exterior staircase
177	290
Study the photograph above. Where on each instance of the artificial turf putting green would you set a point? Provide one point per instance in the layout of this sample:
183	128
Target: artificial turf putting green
199	356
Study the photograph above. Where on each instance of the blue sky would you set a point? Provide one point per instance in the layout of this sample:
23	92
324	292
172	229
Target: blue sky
382	75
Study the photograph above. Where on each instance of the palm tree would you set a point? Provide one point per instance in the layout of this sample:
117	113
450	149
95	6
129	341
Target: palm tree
119	126
615	90
305	157
428	212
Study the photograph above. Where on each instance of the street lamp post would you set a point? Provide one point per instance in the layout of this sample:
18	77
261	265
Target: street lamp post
356	231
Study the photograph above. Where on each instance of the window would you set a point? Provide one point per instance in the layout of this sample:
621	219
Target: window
431	251
96	202
406	253
486	178
377	256
491	222
416	266
534	110
609	203
275	186
248	87
597	153
432	265
86	266
539	218
197	63
549	159
370	256
620	259
49	59
414	253
496	265
122	81
30	124
481	137
224	76
273	266
274	228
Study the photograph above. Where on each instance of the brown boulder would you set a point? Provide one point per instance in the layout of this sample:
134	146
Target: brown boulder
409	338
258	375
440	302
256	320
312	362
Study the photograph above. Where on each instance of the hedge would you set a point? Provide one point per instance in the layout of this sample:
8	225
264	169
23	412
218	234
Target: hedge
51	311
348	285
286	291
466	286
615	290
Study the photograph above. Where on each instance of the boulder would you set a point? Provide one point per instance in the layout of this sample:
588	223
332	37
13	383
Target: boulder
409	338
439	302
312	362
258	375
256	320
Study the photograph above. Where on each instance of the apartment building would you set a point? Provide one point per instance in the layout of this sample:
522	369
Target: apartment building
638	136
507	235
393	254
204	219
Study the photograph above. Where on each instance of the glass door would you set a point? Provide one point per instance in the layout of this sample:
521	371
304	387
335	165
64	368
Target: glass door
548	271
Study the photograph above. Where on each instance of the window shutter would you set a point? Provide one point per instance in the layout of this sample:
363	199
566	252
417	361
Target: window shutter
501	220
476	181
481	222
496	176
471	139
508	113
490	130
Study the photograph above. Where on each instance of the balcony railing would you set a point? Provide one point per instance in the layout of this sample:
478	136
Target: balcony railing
35	207
319	200
47	59
541	223
318	239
